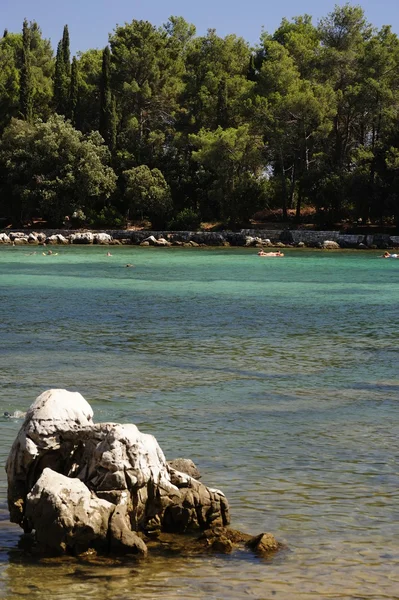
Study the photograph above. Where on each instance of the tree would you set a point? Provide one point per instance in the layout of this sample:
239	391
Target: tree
25	90
53	169
148	195
233	159
216	78
302	41
10	100
73	91
107	103
42	69
147	68
343	35
295	114
87	112
34	77
62	75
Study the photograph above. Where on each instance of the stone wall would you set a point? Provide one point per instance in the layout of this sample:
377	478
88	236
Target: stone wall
245	237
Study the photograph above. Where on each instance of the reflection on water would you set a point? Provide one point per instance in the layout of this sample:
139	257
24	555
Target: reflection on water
279	380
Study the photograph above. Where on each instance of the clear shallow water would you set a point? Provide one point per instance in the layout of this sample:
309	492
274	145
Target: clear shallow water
278	377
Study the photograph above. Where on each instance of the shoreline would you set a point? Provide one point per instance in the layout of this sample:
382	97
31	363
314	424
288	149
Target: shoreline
283	238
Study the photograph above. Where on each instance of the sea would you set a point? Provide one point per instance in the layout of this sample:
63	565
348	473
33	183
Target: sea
278	377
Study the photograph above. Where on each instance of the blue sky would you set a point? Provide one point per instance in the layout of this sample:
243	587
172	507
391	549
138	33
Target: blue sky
90	21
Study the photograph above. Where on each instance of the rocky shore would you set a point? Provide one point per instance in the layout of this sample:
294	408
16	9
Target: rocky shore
244	238
77	487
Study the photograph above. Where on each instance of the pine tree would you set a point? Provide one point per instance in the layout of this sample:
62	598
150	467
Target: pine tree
107	103
222	115
26	91
251	75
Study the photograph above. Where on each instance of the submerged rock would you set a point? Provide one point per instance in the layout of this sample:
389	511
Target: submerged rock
185	465
263	543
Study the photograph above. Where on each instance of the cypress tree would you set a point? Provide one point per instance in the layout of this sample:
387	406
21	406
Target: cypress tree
107	103
66	53
25	91
62	75
73	91
5	33
58	79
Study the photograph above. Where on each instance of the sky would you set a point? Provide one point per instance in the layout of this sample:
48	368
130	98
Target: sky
91	21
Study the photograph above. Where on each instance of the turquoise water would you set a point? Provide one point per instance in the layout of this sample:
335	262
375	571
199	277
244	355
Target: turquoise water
278	377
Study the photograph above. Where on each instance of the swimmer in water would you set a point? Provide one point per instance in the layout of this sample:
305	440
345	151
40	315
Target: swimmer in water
17	414
263	253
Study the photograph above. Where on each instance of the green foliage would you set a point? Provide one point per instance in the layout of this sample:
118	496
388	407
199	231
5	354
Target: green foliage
87	112
73	90
54	169
148	195
25	90
107	103
216	82
186	220
62	76
108	217
147	81
10	48
203	125
233	158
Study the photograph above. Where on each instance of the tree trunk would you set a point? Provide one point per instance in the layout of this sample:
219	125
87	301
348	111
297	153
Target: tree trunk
283	187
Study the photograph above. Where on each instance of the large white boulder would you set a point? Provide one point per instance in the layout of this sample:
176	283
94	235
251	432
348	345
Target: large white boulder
62	467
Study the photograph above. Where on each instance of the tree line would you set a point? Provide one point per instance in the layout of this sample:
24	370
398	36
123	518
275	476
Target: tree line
180	129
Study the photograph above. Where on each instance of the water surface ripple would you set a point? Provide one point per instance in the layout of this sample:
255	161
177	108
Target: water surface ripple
279	378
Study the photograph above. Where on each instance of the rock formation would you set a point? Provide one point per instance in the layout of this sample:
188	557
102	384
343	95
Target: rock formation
81	485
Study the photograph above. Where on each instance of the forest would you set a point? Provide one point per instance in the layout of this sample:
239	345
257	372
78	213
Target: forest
178	130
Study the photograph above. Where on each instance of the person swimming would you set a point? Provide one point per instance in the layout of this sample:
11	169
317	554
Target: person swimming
17	414
263	253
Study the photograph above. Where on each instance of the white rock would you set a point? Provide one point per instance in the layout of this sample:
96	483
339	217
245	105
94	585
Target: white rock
162	242
14	235
65	514
57	410
57	238
151	240
86	237
62	467
102	238
330	245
